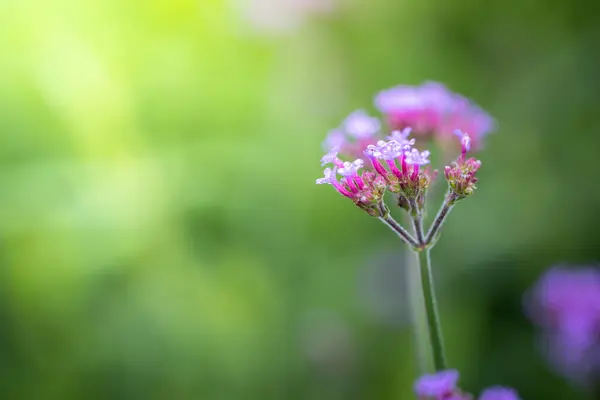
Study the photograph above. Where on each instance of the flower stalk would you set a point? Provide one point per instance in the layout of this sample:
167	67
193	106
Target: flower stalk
433	320
417	221
399	229
441	216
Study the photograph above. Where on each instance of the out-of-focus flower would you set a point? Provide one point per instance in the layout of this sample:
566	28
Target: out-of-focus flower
432	110
499	393
276	17
366	190
461	173
443	385
361	126
358	130
402	137
565	302
335	139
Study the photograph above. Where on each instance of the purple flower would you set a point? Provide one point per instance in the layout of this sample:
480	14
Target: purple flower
329	175
433	110
330	158
414	157
565	303
465	140
441	385
385	150
366	190
461	173
361	126
335	138
407	179
401	137
357	132
351	168
499	393
468	117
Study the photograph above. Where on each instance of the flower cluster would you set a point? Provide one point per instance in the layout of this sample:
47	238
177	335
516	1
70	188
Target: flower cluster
405	176
366	190
433	110
565	302
443	386
461	173
397	166
357	131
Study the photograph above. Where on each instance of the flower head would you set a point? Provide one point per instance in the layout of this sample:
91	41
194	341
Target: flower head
433	111
414	157
440	386
429	109
443	386
366	190
384	150
499	393
565	302
406	179
461	173
437	386
351	168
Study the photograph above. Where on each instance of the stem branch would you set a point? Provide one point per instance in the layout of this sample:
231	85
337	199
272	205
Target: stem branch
399	229
440	218
417	220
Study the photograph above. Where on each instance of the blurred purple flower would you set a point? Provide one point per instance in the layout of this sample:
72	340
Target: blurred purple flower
335	139
499	393
433	110
565	302
358	131
441	385
361	126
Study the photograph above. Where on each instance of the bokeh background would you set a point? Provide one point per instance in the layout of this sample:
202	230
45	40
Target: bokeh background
161	235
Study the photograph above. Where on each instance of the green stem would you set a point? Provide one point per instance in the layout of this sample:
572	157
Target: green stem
418	315
417	221
433	321
440	218
400	231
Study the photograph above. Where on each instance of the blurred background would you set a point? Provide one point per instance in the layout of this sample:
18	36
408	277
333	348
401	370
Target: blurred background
161	235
